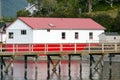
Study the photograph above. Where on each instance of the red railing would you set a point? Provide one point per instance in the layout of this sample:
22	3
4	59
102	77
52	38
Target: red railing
68	47
42	47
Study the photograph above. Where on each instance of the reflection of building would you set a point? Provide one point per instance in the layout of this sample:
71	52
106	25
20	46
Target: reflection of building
109	37
53	30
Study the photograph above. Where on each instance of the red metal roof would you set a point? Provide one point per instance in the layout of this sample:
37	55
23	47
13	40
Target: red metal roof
61	23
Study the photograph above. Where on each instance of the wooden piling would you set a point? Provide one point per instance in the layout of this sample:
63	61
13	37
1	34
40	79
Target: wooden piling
110	66
80	66
11	61
48	67
69	66
1	63
36	66
60	67
91	62
25	62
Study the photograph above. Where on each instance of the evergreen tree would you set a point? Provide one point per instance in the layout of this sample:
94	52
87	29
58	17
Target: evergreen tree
116	24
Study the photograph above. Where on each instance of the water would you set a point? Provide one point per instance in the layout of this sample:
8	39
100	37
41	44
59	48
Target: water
41	73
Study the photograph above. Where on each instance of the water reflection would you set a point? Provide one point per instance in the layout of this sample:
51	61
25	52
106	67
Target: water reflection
40	72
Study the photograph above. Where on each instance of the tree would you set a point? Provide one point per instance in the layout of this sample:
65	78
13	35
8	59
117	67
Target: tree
31	1
104	20
23	13
87	5
116	24
67	9
110	2
45	7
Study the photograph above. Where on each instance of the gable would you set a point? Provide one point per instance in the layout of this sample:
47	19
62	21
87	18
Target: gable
18	24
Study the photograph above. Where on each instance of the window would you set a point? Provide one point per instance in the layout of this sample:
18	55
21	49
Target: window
23	32
63	35
48	30
76	35
11	35
91	35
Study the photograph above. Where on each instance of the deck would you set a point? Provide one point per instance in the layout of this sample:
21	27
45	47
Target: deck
65	48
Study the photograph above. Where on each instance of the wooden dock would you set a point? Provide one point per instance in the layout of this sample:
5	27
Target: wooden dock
57	50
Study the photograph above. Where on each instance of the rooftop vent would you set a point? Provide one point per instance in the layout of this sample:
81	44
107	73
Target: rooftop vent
51	25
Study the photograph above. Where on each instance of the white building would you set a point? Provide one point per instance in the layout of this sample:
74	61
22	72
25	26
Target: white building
109	37
26	30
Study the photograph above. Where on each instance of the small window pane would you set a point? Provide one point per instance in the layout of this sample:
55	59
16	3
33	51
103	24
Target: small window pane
91	35
76	35
10	35
63	35
48	30
23	32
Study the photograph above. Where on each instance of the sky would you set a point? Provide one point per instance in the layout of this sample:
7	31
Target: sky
10	7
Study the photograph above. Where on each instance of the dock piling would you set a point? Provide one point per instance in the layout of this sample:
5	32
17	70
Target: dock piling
25	61
91	62
36	66
69	66
48	67
80	66
110	66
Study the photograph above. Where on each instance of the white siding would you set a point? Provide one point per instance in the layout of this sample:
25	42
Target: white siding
54	36
44	36
109	38
16	28
102	38
2	37
112	38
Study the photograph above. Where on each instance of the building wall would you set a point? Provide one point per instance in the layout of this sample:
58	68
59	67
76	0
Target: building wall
54	36
112	38
16	28
109	38
44	36
4	38
102	38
